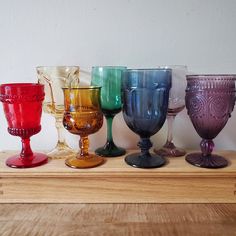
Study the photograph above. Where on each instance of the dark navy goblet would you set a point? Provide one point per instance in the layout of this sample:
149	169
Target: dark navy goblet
145	102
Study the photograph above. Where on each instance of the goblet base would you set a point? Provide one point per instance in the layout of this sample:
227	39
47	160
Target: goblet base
150	161
37	159
61	153
212	161
110	150
84	162
170	151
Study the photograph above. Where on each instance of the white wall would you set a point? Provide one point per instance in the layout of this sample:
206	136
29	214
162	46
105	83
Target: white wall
141	33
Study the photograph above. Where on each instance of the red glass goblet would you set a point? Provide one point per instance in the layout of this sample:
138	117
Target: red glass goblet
22	104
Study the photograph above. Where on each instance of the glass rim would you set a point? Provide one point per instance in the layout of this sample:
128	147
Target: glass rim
148	69
173	66
21	85
82	88
53	67
193	76
109	67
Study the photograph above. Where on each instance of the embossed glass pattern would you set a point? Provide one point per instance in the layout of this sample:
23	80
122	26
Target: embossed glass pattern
209	101
145	103
83	116
54	78
22	104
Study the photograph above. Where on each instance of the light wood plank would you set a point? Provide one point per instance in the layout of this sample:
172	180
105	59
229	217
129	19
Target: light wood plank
116	182
117	190
117	219
117	167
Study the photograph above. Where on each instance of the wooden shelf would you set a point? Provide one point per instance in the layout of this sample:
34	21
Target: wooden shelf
118	219
116	182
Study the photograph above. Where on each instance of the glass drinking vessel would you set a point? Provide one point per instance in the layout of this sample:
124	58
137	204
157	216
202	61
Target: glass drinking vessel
109	78
209	101
54	78
176	105
22	105
83	116
145	103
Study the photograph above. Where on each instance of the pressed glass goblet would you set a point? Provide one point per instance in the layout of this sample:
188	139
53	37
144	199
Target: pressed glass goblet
22	104
209	101
176	105
54	78
83	116
145	103
109	78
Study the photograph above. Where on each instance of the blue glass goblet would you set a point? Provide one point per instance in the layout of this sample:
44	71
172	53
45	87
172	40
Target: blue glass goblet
145	104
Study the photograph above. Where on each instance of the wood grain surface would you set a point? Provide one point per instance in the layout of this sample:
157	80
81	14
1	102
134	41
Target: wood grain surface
117	167
117	219
116	182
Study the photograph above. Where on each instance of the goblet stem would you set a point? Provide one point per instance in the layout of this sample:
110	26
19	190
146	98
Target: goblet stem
26	151
109	128
144	159
110	149
84	159
61	134
61	150
207	146
170	122
145	144
206	159
84	145
169	149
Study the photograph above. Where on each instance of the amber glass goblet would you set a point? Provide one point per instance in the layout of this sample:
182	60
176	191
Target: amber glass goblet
22	104
209	101
54	79
83	116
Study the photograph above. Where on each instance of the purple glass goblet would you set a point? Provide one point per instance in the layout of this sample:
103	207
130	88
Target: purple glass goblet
209	101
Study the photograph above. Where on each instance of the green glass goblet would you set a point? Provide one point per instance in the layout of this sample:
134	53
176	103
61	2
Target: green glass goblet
110	79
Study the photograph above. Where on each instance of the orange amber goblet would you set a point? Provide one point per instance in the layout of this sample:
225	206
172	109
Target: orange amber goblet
83	116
